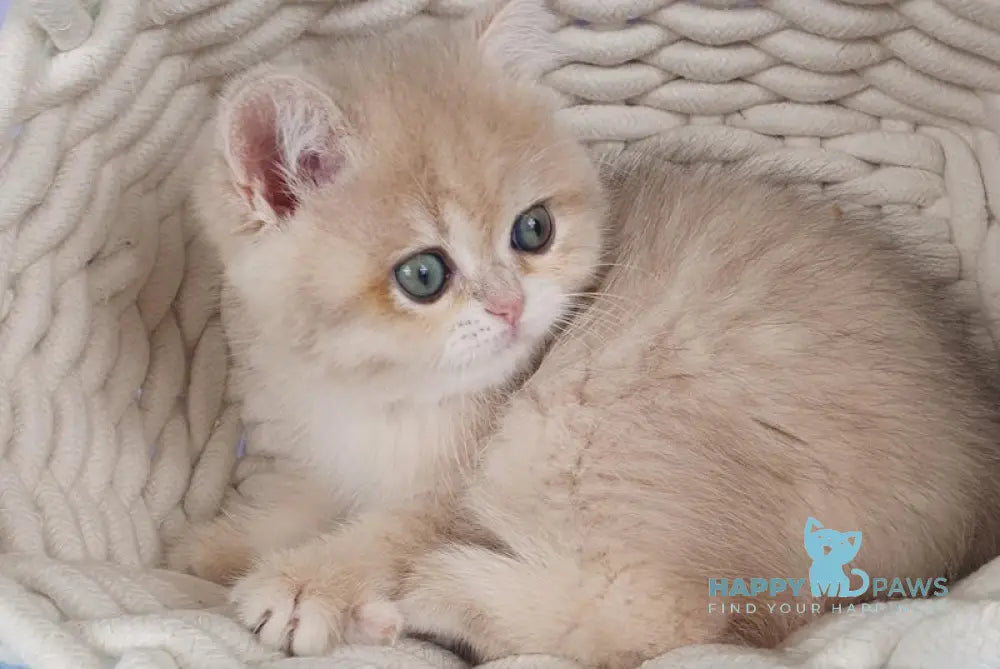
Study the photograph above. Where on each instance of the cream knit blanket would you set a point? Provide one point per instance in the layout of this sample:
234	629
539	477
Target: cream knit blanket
115	424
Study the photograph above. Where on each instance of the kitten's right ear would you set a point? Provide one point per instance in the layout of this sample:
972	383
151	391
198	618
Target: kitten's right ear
283	136
518	36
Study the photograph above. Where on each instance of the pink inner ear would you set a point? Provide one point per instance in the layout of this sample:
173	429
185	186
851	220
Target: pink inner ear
277	190
255	145
320	168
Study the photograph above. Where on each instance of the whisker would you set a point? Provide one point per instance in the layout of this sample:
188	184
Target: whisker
600	329
626	266
604	296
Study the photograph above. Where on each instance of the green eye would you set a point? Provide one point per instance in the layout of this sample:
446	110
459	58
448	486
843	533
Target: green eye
423	275
532	230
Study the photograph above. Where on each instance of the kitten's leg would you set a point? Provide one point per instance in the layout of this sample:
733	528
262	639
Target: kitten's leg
217	550
551	603
285	514
337	587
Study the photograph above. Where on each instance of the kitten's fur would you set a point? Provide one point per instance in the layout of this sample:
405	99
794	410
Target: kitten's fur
753	360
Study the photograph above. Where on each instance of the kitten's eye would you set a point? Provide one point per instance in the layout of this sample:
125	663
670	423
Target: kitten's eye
423	275
532	230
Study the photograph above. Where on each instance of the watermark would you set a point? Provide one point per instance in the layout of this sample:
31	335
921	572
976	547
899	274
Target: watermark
831	552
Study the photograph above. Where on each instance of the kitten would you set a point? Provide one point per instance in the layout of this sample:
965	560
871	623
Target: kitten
756	359
752	360
383	211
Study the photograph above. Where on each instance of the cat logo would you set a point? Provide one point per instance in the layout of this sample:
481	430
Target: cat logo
830	551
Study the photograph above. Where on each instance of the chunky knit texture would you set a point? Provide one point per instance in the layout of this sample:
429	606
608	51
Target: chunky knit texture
116	428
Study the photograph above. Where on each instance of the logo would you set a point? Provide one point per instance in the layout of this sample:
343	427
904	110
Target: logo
830	550
830	577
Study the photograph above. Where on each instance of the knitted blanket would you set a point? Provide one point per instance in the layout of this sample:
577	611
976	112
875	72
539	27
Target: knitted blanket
95	615
116	425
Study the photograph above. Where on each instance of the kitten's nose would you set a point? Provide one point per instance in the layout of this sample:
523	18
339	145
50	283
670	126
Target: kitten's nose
508	307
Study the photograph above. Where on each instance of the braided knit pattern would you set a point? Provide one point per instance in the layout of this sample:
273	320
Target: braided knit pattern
116	424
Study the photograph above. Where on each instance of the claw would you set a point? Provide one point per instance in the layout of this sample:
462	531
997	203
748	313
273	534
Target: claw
289	636
263	621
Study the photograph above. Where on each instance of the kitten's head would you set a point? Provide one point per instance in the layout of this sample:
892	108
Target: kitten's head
826	545
407	206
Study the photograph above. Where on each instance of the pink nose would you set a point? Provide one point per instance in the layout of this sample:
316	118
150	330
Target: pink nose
508	308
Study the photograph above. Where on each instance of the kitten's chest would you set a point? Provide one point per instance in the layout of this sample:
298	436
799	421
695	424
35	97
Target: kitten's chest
370	454
366	450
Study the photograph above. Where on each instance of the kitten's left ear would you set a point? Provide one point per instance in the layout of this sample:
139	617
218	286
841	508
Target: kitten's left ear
518	36
283	136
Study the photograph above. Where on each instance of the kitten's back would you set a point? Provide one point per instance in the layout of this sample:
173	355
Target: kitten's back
842	372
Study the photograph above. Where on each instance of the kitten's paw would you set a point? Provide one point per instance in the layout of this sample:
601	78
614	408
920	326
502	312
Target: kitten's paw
374	623
302	614
279	610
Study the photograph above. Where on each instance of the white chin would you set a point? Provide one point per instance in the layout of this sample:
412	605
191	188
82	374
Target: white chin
497	367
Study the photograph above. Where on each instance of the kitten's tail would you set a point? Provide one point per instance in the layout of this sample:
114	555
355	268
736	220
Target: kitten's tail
865	582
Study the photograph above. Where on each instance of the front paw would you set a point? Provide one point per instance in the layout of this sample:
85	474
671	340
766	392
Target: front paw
307	607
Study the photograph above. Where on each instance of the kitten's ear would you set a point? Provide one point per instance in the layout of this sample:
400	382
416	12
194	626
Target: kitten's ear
518	36
283	136
812	525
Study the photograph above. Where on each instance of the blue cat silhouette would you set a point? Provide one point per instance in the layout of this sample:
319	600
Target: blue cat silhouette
830	551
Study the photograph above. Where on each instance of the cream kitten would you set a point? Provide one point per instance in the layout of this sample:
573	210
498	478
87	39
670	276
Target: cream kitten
384	212
753	360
